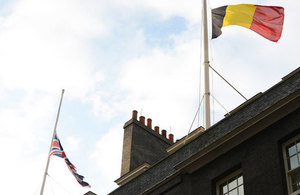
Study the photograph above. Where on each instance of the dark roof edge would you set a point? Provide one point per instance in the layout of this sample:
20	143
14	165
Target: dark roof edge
291	74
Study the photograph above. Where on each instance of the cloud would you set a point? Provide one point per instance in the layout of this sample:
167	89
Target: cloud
107	156
25	118
164	8
150	79
39	41
73	143
21	133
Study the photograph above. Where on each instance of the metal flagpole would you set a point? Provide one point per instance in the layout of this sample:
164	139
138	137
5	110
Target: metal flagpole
206	65
46	170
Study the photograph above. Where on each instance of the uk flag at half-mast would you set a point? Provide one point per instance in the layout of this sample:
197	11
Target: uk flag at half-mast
57	150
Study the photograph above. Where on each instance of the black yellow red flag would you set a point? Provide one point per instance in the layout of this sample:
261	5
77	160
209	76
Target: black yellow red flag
264	20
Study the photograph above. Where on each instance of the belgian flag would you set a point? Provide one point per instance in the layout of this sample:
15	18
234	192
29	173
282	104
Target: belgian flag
264	20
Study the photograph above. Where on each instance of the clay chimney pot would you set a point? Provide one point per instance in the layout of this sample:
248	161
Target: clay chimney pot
164	133
156	129
171	137
149	123
142	120
134	114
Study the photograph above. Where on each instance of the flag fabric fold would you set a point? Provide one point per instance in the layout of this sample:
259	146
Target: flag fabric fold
264	20
57	150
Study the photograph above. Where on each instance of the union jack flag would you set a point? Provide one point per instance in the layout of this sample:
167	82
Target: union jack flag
57	150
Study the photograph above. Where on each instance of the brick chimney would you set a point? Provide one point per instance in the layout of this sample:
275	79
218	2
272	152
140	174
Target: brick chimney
142	144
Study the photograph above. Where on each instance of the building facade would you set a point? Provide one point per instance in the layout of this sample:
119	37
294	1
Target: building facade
254	150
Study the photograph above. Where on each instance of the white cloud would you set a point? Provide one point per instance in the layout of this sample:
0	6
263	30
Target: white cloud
26	118
39	41
44	48
107	155
20	134
73	143
165	8
109	146
164	82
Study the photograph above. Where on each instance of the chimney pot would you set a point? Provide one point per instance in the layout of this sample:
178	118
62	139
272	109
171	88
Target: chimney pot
142	119
171	137
134	114
149	123
156	129
164	133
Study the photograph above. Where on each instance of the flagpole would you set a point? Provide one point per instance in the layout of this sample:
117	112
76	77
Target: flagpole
206	65
48	160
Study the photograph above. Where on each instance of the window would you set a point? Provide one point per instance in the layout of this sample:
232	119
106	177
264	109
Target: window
291	151
233	184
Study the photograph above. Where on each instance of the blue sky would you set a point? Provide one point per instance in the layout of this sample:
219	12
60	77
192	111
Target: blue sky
112	57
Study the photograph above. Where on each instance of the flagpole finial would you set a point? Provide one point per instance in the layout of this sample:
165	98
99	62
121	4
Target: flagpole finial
63	90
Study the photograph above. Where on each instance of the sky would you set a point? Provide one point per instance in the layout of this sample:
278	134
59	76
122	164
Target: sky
112	57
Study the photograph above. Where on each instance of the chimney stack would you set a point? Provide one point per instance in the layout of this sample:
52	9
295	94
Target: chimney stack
141	144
